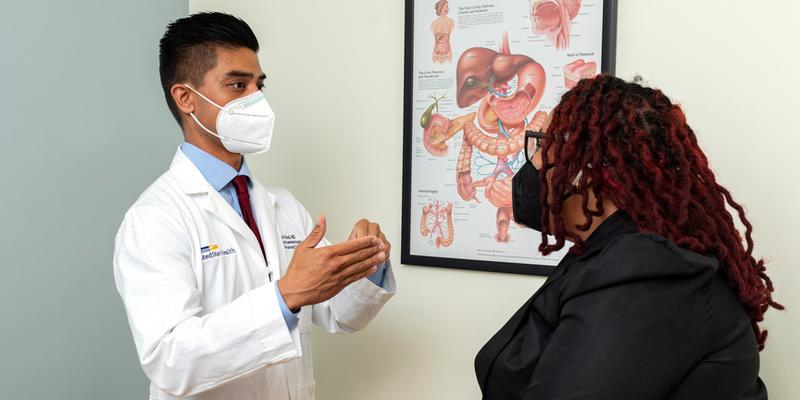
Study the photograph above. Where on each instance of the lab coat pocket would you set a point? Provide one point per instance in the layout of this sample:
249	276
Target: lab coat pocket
226	276
214	270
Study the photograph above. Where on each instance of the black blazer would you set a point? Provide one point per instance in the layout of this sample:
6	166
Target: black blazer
633	317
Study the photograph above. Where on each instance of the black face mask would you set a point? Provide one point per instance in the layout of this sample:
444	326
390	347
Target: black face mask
525	197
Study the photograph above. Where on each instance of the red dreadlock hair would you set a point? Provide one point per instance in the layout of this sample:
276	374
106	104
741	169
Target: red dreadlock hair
631	145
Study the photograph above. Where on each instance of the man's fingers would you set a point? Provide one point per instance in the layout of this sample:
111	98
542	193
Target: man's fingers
362	266
359	229
383	239
361	255
373	229
312	240
354	245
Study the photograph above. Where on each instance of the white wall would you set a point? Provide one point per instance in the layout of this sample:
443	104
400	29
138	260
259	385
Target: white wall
725	62
335	76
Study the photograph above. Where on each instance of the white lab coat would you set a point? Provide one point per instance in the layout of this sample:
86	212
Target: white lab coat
204	315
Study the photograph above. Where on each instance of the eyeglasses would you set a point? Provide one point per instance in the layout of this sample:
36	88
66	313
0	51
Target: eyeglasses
533	142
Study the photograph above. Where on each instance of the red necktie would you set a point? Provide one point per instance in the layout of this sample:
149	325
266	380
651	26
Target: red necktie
240	183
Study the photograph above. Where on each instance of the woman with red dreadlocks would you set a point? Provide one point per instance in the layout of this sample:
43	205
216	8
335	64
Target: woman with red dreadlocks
660	297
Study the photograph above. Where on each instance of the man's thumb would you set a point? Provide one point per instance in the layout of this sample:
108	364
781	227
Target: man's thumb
316	235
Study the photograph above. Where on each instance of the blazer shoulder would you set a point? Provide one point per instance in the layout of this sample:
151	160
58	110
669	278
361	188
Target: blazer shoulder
653	253
640	257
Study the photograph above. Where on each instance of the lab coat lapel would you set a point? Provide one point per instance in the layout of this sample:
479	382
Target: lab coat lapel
220	208
193	182
264	209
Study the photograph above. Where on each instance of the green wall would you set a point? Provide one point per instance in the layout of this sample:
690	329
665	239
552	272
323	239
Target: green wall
84	130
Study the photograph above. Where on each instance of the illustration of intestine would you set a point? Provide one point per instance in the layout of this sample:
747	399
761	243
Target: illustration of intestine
577	70
553	18
437	222
442	27
509	87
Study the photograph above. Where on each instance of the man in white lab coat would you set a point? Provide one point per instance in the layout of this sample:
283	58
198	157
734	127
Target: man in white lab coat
221	277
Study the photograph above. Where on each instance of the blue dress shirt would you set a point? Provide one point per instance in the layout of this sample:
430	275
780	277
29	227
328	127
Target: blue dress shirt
220	175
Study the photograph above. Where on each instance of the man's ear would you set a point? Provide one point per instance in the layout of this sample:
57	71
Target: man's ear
183	98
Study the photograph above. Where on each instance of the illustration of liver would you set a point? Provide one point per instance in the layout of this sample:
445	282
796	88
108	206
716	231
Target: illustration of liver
577	70
485	75
552	18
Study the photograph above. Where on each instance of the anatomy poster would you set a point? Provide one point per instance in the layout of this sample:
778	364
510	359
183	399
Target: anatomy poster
479	74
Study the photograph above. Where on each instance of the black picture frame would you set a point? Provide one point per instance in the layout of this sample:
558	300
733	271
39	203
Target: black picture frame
608	64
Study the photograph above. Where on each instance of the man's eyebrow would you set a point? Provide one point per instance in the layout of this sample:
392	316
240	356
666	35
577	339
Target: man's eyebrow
244	74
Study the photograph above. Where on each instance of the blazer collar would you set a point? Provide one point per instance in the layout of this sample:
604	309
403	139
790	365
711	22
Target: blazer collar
616	225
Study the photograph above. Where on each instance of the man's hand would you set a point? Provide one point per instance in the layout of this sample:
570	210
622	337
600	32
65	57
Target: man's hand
365	228
316	275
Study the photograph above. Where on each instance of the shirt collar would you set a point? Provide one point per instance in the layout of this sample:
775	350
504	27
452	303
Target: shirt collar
216	171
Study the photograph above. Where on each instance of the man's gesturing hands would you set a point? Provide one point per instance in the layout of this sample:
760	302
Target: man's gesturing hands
315	275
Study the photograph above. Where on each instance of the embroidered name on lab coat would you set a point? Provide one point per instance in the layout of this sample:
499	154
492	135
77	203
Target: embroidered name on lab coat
290	241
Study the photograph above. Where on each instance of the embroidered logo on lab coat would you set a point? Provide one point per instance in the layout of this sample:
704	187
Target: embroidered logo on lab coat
211	247
213	251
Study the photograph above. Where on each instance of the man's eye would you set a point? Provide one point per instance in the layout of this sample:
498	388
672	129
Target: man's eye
239	85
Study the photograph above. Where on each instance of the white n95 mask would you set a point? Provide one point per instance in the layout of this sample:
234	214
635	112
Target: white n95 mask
244	125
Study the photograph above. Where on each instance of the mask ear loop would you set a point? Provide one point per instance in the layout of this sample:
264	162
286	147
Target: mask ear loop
527	157
203	96
529	134
191	114
194	117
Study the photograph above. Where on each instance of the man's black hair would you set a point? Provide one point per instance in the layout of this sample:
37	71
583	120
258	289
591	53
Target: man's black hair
186	52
